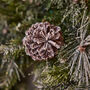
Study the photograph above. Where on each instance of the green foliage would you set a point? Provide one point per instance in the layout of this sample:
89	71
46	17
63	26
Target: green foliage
51	77
18	16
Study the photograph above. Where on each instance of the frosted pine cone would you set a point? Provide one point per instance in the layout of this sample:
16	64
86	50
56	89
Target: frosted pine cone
42	41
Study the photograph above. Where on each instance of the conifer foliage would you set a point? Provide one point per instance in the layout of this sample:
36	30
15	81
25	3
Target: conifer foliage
56	43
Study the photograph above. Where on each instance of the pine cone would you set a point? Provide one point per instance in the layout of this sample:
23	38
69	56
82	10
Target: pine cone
42	41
